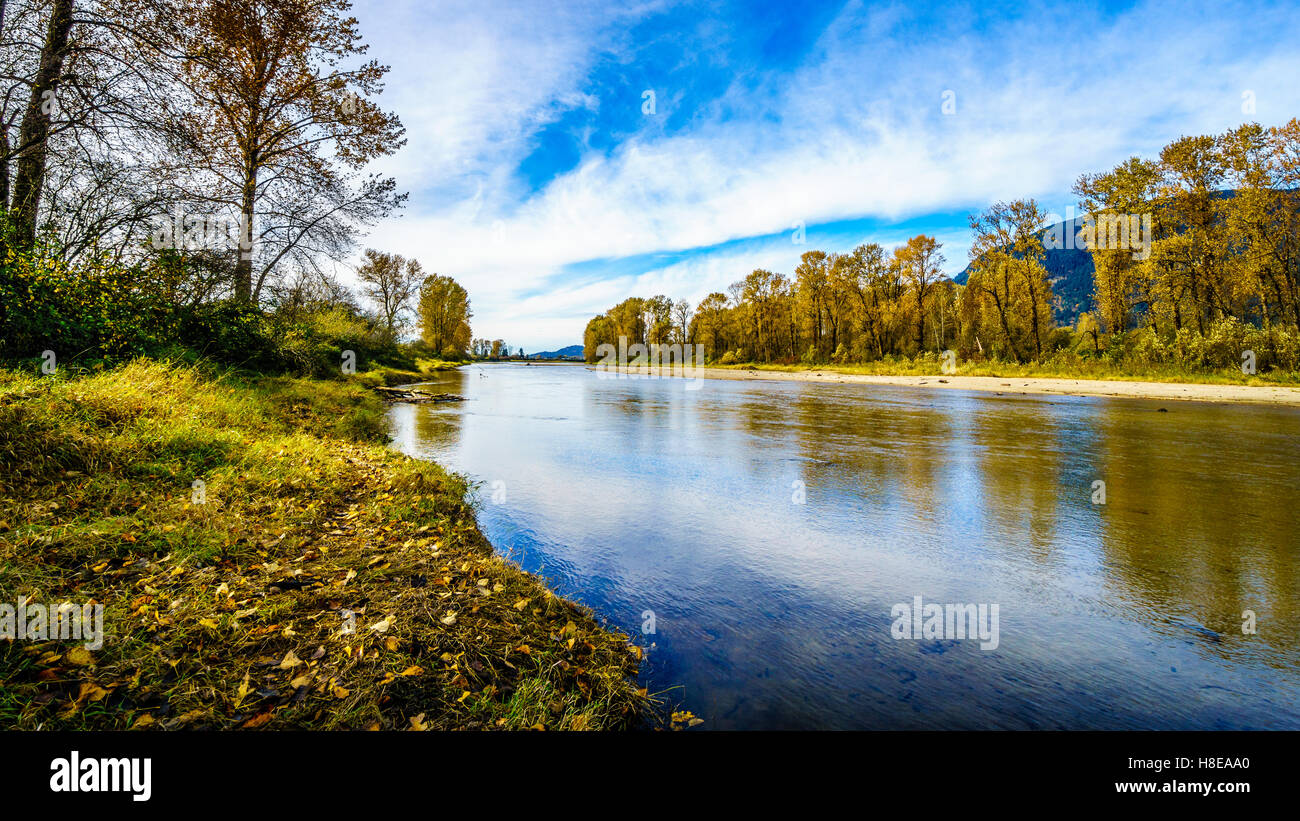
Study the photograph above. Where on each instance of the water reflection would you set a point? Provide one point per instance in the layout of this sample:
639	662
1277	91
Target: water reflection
770	528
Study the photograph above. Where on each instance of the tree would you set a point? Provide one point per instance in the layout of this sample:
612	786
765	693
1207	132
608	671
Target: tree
1007	272
1117	275
877	288
658	319
597	333
708	327
682	314
921	265
1193	170
1263	219
390	281
811	282
94	169
273	124
761	288
444	317
33	136
840	282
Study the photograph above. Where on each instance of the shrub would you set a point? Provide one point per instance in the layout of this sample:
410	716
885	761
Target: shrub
233	333
94	307
97	310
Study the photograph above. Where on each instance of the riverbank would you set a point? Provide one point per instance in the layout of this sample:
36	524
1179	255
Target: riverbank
1015	385
264	560
389	376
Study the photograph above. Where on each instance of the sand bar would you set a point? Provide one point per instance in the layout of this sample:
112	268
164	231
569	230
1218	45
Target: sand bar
1185	391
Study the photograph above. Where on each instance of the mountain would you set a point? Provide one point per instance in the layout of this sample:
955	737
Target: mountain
1068	269
571	352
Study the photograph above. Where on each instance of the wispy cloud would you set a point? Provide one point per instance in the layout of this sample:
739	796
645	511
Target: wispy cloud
851	127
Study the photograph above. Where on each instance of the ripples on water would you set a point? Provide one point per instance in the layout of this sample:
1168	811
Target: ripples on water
635	495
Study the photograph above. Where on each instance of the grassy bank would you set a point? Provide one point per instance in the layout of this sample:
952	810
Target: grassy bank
227	602
386	375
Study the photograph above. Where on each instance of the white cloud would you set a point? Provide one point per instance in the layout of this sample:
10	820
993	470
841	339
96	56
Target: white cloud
856	132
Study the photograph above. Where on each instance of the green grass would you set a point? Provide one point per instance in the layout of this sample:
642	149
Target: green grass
226	610
385	375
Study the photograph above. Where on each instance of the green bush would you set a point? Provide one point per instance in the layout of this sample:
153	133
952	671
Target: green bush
95	308
233	333
98	311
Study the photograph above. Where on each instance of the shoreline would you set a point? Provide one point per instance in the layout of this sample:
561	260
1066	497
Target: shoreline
328	581
1015	385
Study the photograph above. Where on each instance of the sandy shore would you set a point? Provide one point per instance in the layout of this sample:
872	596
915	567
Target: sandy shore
1263	395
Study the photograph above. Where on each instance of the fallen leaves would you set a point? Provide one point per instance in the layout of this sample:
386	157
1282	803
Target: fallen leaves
251	638
79	657
256	721
91	692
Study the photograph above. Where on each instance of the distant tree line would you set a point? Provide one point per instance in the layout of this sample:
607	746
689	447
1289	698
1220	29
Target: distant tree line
1196	257
493	349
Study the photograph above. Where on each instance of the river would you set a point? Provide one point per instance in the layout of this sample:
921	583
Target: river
758	538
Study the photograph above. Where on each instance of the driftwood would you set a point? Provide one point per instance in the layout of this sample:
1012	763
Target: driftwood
415	395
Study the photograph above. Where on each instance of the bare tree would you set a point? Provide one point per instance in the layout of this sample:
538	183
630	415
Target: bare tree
391	282
274	126
682	313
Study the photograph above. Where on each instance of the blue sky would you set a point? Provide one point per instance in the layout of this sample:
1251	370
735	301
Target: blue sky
542	180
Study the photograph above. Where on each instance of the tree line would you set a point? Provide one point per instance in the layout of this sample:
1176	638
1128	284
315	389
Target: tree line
1196	254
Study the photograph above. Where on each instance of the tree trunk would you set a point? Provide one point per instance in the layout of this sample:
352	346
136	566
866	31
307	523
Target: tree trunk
244	267
4	139
4	166
36	126
920	319
1006	327
1033	308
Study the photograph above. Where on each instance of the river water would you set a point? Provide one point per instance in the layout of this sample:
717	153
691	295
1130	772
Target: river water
757	537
